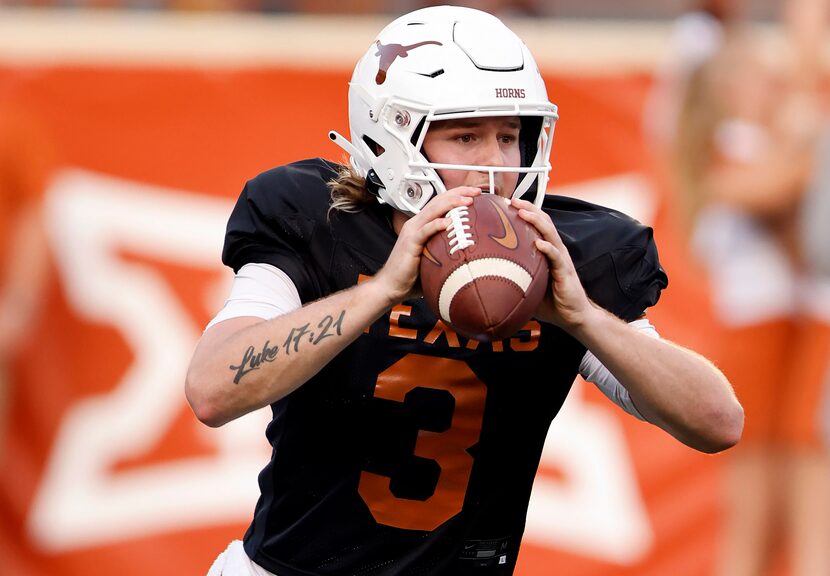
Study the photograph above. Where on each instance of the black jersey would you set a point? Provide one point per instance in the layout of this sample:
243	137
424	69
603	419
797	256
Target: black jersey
414	451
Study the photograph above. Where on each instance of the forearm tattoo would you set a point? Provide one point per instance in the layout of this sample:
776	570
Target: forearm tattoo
297	336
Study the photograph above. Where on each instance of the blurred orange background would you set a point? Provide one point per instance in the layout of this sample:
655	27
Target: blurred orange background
105	469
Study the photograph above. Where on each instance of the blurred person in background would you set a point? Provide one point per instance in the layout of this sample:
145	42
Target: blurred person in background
740	142
807	24
26	163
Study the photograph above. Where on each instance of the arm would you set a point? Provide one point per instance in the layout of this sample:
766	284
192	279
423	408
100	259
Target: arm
672	387
768	186
242	364
595	372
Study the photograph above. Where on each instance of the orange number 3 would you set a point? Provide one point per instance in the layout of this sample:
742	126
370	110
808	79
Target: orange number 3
449	449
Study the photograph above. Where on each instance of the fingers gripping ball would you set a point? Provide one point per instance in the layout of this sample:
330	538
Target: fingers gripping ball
483	276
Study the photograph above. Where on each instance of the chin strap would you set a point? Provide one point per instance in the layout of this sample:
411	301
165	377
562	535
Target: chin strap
373	183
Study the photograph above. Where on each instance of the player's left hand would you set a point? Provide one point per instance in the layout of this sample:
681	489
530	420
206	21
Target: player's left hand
566	304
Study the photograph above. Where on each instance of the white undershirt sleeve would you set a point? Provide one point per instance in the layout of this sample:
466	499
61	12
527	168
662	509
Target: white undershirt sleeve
260	290
593	371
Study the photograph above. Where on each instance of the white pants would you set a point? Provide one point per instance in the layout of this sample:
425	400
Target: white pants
234	562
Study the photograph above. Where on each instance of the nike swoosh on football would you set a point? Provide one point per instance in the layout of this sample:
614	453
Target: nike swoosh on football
509	240
430	257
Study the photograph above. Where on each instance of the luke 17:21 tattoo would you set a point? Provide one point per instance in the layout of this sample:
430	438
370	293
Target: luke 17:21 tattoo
252	360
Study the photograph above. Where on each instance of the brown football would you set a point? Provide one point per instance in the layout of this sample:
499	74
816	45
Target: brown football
483	276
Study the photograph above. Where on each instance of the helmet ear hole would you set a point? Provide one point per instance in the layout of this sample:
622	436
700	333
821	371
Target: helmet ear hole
417	132
376	148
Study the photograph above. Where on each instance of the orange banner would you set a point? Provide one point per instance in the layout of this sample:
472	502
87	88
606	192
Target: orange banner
106	471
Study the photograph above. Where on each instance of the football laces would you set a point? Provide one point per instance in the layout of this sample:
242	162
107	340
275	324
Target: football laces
458	231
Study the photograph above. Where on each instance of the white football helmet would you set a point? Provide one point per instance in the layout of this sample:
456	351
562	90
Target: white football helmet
435	64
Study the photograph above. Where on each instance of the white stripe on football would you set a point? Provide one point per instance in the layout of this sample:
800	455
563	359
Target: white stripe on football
474	269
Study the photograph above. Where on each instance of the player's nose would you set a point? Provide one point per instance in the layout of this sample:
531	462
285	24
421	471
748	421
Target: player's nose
491	153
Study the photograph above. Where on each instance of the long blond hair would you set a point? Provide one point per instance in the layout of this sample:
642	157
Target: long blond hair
348	190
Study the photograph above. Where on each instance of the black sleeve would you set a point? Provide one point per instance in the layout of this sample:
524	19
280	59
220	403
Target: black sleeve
614	255
270	225
627	279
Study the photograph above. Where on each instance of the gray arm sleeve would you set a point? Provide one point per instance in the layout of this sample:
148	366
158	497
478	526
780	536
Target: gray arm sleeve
594	372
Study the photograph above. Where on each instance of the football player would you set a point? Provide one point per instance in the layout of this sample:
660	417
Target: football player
400	447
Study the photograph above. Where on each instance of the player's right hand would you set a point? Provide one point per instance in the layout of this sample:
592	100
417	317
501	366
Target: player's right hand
399	275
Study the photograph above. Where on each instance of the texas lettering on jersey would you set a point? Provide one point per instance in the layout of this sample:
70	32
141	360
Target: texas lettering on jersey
526	340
